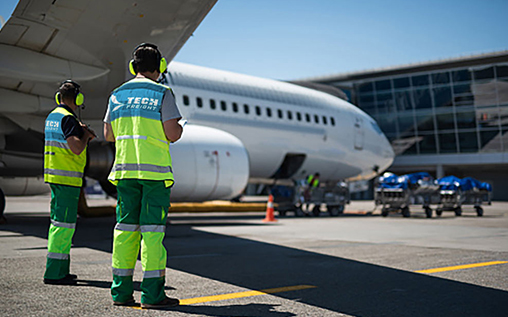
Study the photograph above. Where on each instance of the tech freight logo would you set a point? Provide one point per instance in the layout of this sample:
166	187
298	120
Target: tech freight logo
136	103
52	125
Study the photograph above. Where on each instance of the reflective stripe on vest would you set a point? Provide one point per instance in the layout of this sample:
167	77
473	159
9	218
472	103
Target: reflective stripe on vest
61	166
142	151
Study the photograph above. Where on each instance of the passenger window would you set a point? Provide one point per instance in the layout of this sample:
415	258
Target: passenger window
279	112
199	102
212	104
186	100
324	120
258	110
298	116
269	112
332	121
223	105
307	117
316	118
235	107
290	115
246	109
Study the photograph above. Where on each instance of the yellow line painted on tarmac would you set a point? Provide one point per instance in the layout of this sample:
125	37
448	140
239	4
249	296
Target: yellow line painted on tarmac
207	299
461	267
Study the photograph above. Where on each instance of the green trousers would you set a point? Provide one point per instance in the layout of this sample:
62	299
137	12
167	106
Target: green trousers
141	215
64	211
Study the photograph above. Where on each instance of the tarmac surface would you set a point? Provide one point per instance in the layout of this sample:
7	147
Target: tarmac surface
233	264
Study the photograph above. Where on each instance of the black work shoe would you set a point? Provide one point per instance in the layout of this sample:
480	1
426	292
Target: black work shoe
63	281
130	302
165	303
72	276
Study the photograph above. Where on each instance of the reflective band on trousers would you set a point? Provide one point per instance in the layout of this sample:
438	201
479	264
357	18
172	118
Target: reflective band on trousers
142	167
126	227
123	272
62	145
153	274
142	137
153	228
58	256
52	171
63	224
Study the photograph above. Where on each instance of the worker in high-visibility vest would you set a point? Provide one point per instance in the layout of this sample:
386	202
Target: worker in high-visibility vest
142	119
65	145
312	182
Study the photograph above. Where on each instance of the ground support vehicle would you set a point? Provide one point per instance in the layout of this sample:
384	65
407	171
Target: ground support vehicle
304	202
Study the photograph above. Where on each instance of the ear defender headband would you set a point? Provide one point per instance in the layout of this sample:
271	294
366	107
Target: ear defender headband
163	64
80	98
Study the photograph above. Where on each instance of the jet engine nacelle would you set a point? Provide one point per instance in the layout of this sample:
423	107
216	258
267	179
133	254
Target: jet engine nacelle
208	164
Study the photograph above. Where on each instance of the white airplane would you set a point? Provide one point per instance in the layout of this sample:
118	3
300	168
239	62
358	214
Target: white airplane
240	128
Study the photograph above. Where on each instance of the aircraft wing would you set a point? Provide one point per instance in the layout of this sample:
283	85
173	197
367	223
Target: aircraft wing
90	41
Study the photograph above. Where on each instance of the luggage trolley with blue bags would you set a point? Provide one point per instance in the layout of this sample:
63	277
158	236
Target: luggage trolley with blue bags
392	192
396	193
455	192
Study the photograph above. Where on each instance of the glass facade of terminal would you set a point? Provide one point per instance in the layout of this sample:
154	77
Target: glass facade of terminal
442	111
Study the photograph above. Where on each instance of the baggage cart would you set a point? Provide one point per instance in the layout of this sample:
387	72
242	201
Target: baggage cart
305	202
456	192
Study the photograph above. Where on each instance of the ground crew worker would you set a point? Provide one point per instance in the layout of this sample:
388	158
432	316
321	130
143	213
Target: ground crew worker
65	145
142	117
312	182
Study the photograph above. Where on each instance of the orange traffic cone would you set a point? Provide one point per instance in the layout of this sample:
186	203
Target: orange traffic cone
269	210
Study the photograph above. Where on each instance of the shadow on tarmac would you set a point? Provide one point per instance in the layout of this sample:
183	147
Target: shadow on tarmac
342	285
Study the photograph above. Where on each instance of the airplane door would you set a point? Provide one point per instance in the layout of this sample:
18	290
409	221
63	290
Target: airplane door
359	133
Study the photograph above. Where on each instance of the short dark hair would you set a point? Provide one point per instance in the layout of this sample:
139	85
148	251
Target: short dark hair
146	59
68	91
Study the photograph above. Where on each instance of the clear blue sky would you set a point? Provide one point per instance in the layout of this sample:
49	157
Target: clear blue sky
291	39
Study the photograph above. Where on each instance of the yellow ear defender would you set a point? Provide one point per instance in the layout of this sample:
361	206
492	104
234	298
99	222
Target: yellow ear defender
163	65
80	98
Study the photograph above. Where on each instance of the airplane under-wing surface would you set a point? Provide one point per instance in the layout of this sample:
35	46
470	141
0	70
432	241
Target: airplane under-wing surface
241	128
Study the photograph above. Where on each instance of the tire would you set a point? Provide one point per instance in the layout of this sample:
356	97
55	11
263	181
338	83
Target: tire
299	212
458	211
384	212
334	211
282	213
479	211
405	212
428	212
439	212
316	211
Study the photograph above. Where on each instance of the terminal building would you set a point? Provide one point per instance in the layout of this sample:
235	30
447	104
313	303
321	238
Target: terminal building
446	117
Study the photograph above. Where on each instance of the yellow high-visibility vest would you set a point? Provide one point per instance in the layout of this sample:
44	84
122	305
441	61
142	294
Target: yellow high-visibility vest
61	166
142	150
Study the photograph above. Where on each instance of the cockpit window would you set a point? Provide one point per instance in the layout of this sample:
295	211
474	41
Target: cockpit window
376	127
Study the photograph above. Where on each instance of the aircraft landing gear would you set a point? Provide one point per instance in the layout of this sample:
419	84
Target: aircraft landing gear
2	207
